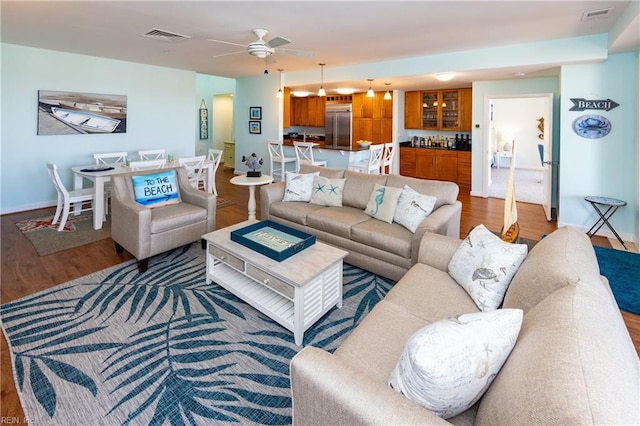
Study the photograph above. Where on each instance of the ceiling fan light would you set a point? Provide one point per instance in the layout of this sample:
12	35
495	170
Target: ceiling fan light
445	76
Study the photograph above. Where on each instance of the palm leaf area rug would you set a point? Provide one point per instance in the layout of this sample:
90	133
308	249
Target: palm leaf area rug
121	348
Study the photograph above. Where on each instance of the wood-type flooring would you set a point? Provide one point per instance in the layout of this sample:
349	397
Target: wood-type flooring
24	272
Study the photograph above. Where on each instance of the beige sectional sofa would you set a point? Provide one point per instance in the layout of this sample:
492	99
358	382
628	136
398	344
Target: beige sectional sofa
573	362
386	249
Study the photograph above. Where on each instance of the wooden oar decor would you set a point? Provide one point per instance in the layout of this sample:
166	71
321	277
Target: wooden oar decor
510	228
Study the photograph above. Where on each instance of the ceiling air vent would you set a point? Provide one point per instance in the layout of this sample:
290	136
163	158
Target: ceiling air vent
596	14
165	36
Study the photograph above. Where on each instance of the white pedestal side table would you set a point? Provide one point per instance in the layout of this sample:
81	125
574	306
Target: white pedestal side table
251	182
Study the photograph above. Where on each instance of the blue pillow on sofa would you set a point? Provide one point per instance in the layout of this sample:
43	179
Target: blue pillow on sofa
157	189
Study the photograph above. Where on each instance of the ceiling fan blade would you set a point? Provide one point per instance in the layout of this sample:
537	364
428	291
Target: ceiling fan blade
228	54
293	52
278	41
227	42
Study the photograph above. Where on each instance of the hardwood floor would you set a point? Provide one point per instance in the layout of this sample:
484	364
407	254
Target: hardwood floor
24	272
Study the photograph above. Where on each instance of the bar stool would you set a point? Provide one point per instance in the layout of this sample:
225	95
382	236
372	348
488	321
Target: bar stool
612	206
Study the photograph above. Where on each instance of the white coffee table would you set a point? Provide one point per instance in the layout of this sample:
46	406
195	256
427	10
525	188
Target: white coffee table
296	292
251	182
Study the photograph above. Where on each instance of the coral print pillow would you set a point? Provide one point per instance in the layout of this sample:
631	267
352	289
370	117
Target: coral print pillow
298	186
484	265
448	365
327	192
382	202
412	208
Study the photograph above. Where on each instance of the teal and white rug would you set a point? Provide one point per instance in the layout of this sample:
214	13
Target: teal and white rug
120	348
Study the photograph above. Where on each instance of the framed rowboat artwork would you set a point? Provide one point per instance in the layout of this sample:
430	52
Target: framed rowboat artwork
69	113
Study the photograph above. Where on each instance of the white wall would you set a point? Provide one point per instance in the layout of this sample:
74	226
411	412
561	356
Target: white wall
605	166
517	119
160	115
209	87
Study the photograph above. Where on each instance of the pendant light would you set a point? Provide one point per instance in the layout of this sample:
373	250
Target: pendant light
370	93
321	92
387	96
280	95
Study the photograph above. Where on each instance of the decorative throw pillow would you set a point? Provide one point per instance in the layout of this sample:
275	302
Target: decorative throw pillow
327	192
412	208
298	186
157	189
484	265
382	202
448	365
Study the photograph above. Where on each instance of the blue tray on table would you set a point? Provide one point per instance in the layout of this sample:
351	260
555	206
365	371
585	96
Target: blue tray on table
273	240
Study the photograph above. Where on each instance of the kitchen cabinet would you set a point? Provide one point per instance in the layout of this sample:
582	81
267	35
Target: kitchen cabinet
464	169
448	110
229	155
372	118
286	111
436	164
308	111
408	161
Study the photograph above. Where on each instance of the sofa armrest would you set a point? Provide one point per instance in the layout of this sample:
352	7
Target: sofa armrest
445	220
130	223
437	250
268	195
327	391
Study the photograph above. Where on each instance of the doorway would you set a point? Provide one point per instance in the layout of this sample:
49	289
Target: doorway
222	120
519	129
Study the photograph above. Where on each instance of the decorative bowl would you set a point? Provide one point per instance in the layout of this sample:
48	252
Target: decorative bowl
364	144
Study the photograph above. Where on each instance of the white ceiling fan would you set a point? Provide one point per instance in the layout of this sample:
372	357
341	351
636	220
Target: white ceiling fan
264	49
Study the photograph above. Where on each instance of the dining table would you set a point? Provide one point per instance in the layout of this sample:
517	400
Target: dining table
101	174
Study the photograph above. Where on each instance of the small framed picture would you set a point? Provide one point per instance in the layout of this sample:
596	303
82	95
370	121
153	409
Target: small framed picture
255	128
255	113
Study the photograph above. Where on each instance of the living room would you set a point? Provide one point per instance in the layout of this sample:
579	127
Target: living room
163	105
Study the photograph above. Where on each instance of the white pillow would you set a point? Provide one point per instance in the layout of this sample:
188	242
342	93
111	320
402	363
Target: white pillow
382	202
484	265
298	186
412	208
448	365
327	192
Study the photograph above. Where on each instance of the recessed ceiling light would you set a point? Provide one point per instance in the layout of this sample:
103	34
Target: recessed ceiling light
520	74
345	91
445	76
300	94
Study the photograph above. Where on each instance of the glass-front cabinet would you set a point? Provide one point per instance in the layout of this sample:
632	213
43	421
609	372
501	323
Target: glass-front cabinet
438	110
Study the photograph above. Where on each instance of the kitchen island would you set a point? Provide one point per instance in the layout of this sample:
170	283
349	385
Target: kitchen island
336	157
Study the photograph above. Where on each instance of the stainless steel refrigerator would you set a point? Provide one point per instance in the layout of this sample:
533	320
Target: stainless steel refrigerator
337	125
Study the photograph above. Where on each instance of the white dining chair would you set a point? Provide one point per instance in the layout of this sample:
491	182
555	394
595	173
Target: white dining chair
194	167
107	158
304	155
110	157
386	165
67	198
152	154
214	155
147	164
277	160
372	164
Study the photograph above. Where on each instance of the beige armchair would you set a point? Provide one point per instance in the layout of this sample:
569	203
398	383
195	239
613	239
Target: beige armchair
145	232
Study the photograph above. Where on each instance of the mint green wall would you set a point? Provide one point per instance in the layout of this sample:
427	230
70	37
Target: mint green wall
160	104
605	166
206	87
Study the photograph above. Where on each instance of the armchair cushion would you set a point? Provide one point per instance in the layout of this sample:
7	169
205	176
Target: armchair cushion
176	216
156	190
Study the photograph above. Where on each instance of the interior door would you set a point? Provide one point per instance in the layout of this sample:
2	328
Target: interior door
547	160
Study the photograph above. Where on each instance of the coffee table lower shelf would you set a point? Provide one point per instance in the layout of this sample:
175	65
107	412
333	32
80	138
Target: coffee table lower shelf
294	307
